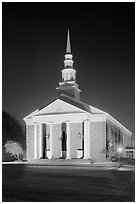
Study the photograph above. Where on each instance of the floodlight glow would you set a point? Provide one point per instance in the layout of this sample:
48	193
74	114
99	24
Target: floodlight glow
119	149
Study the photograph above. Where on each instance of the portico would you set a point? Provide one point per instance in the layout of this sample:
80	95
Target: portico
44	140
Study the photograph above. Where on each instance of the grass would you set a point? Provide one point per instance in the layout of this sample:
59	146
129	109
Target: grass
66	184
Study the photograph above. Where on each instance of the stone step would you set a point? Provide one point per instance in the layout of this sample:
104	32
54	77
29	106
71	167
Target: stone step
66	162
83	162
62	161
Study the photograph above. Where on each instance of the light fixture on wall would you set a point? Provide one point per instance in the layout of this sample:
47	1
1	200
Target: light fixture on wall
48	136
79	134
110	144
60	136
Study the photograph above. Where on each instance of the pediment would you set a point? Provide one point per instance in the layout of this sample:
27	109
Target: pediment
57	107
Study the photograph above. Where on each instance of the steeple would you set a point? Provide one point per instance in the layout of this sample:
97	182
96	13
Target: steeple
68	49
68	85
68	62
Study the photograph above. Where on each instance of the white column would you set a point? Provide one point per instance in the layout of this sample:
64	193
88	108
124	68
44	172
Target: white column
40	141
89	141
51	140
85	140
35	141
68	140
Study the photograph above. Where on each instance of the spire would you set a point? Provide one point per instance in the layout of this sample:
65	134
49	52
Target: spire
68	50
68	86
68	62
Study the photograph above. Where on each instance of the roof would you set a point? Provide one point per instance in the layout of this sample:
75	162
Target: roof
80	104
83	106
91	110
75	102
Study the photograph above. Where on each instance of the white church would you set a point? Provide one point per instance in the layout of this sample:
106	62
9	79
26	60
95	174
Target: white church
67	128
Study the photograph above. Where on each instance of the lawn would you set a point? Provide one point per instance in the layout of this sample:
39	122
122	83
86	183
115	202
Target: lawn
66	184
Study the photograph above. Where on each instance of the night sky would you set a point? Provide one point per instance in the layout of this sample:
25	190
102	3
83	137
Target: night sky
34	43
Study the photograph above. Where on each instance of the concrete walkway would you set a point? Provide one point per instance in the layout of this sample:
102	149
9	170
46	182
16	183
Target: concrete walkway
71	162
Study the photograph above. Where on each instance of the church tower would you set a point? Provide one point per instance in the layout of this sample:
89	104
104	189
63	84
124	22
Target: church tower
68	86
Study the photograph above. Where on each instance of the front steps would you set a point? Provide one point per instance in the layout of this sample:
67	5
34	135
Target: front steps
66	162
61	161
72	162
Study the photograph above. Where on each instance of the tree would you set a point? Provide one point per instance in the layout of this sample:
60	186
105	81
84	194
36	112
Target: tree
11	130
13	148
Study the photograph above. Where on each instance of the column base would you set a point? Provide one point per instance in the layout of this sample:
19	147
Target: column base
50	157
85	158
68	157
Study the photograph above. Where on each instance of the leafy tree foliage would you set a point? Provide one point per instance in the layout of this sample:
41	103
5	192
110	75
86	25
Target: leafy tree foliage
14	148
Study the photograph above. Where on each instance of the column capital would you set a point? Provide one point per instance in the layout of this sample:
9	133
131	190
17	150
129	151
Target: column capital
40	124
86	121
49	123
67	121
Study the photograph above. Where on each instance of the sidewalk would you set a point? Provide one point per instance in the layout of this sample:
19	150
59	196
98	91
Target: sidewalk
71	162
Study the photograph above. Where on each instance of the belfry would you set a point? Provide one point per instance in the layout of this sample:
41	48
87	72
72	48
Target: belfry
68	128
68	85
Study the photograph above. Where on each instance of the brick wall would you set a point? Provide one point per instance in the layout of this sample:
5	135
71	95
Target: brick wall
98	140
56	141
30	142
75	140
126	140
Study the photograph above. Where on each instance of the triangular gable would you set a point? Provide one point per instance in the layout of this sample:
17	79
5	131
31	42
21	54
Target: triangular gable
75	102
58	107
64	105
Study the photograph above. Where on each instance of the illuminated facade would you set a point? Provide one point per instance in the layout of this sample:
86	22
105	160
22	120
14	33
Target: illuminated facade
67	128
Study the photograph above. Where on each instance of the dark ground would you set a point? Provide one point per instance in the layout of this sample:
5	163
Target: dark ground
66	184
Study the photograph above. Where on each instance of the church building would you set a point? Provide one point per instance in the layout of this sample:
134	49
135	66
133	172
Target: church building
68	128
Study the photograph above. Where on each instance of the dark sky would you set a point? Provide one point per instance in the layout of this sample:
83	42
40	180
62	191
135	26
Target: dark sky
34	44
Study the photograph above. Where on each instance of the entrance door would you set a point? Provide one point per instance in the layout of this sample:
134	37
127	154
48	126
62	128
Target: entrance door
44	142
64	149
64	141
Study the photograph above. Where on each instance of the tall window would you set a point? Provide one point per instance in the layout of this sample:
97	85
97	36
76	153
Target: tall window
44	142
119	137
107	141
116	139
